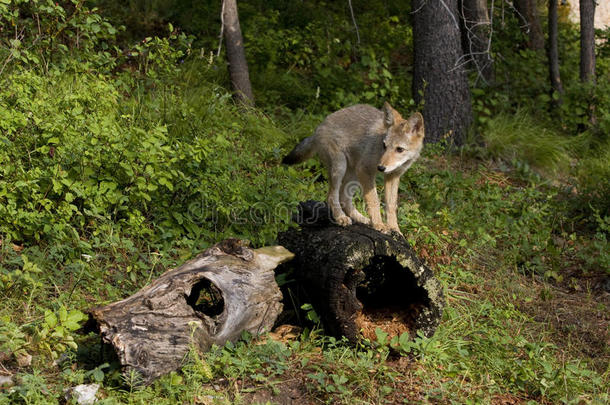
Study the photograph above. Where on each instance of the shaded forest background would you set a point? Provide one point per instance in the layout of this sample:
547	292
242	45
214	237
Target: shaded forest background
123	154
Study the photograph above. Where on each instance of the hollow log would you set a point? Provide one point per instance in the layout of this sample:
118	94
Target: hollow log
211	299
358	279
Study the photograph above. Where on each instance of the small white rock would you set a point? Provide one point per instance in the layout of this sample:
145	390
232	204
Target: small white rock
83	394
6	381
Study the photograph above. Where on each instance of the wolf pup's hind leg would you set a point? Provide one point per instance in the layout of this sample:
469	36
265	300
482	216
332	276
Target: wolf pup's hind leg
348	189
336	172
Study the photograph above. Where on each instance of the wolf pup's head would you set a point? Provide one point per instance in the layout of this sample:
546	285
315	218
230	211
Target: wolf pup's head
402	141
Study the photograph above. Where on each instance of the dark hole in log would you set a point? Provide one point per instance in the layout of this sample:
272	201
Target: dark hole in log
391	298
206	298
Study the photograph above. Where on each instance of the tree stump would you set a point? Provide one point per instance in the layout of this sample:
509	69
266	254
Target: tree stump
211	299
358	279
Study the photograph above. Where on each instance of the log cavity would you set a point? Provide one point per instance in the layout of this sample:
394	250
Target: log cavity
391	298
206	299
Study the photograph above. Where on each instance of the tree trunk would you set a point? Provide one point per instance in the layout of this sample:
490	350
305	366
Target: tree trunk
554	53
476	30
528	13
211	299
236	55
587	41
587	50
358	279
438	71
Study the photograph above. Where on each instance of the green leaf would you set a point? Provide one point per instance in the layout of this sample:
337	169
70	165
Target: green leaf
50	319
381	336
76	316
165	182
97	375
63	314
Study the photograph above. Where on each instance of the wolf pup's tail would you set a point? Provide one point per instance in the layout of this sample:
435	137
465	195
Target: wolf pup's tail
303	151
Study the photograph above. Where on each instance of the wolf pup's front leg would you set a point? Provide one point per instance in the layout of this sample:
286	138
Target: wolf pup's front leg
371	200
391	201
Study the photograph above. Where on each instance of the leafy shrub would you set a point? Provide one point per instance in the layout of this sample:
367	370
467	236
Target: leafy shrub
51	34
82	157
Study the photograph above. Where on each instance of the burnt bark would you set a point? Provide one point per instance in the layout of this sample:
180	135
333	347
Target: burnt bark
439	77
353	275
476	31
211	299
236	55
587	41
527	11
553	53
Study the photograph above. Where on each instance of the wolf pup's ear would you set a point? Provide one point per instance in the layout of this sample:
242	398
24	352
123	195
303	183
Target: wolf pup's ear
416	123
388	114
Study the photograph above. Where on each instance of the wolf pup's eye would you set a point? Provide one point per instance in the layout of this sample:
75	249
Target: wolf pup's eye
400	150
384	146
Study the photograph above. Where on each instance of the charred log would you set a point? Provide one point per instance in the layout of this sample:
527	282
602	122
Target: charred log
358	278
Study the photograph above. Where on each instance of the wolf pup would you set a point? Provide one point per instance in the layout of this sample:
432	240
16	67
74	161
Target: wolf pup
354	144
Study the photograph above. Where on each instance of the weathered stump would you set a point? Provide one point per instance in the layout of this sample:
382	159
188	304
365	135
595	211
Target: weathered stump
211	299
358	279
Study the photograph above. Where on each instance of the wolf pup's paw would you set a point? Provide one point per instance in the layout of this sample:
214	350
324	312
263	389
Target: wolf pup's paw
381	227
361	219
344	220
365	221
396	229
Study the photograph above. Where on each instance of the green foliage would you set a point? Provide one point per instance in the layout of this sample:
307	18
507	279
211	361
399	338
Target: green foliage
593	175
324	55
522	80
90	160
487	352
12	338
53	334
55	35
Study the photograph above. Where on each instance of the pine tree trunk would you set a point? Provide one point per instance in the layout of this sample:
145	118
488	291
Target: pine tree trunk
236	55
554	53
587	41
528	13
476	29
587	50
438	70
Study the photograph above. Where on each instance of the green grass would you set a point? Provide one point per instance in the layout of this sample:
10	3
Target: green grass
519	137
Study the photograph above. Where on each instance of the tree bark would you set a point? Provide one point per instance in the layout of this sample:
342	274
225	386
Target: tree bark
211	299
438	72
236	55
587	51
528	12
476	31
587	41
358	279
553	53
